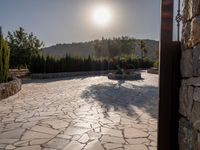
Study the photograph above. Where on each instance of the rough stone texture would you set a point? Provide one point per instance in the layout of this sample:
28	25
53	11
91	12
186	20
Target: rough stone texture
86	113
186	135
186	64
197	94
195	30
185	12
186	99
183	99
190	102
189	124
195	118
194	8
10	88
196	60
186	35
195	81
190	9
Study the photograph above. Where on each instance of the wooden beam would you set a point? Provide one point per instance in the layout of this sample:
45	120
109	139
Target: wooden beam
169	81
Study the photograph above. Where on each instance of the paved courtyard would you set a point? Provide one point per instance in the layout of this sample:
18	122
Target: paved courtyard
82	113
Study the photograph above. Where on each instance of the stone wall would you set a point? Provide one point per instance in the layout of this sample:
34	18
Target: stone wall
189	124
10	88
67	74
74	74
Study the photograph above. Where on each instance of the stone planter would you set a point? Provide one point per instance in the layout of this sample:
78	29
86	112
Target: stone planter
131	76
10	88
153	71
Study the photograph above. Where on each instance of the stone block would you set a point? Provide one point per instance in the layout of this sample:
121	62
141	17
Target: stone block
194	8
193	82
185	10
183	99
190	102
195	116
198	141
186	99
186	63
195	31
186	30
196	95
196	60
186	134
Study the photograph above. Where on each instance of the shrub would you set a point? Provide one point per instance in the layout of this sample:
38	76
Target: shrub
48	64
156	64
4	59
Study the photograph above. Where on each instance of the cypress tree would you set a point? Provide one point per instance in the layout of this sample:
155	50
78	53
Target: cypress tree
1	53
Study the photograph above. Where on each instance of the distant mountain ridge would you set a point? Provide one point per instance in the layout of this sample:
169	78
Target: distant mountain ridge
84	49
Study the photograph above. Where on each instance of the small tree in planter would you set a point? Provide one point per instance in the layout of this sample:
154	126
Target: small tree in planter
143	49
4	59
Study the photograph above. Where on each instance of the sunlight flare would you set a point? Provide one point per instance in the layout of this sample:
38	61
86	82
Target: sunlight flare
102	15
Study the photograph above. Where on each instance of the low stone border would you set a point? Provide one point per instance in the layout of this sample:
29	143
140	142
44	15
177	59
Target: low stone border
132	76
22	73
74	74
67	74
153	71
10	88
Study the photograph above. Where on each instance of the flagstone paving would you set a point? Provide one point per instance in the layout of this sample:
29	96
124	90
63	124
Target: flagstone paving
82	113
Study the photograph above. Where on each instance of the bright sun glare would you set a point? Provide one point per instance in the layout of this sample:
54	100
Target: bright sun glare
102	16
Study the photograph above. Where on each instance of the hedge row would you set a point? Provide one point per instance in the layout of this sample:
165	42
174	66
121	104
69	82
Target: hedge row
42	64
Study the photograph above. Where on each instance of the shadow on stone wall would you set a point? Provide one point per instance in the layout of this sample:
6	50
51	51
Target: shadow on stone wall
124	97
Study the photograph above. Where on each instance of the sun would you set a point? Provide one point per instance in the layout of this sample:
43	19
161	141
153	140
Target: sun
102	16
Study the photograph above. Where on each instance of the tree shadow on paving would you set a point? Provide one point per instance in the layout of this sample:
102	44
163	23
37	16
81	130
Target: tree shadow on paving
124	97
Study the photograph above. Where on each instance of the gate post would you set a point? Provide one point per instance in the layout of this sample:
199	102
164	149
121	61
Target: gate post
169	81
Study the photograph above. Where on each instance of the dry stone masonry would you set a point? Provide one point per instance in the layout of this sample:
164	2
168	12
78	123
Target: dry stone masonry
189	124
10	88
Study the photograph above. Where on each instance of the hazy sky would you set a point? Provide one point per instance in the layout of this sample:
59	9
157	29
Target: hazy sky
66	21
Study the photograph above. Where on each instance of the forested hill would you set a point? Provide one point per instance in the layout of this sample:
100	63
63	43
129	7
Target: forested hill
85	49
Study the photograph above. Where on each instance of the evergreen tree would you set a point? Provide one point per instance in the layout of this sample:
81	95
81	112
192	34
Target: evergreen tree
23	46
4	58
143	49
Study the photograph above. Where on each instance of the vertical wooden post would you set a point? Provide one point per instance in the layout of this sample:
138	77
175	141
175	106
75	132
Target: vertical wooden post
169	81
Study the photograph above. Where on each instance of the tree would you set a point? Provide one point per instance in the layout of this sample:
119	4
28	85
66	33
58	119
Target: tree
127	45
143	49
4	59
110	48
157	54
114	48
101	47
22	47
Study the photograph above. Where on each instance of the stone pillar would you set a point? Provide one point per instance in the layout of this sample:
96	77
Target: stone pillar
189	124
